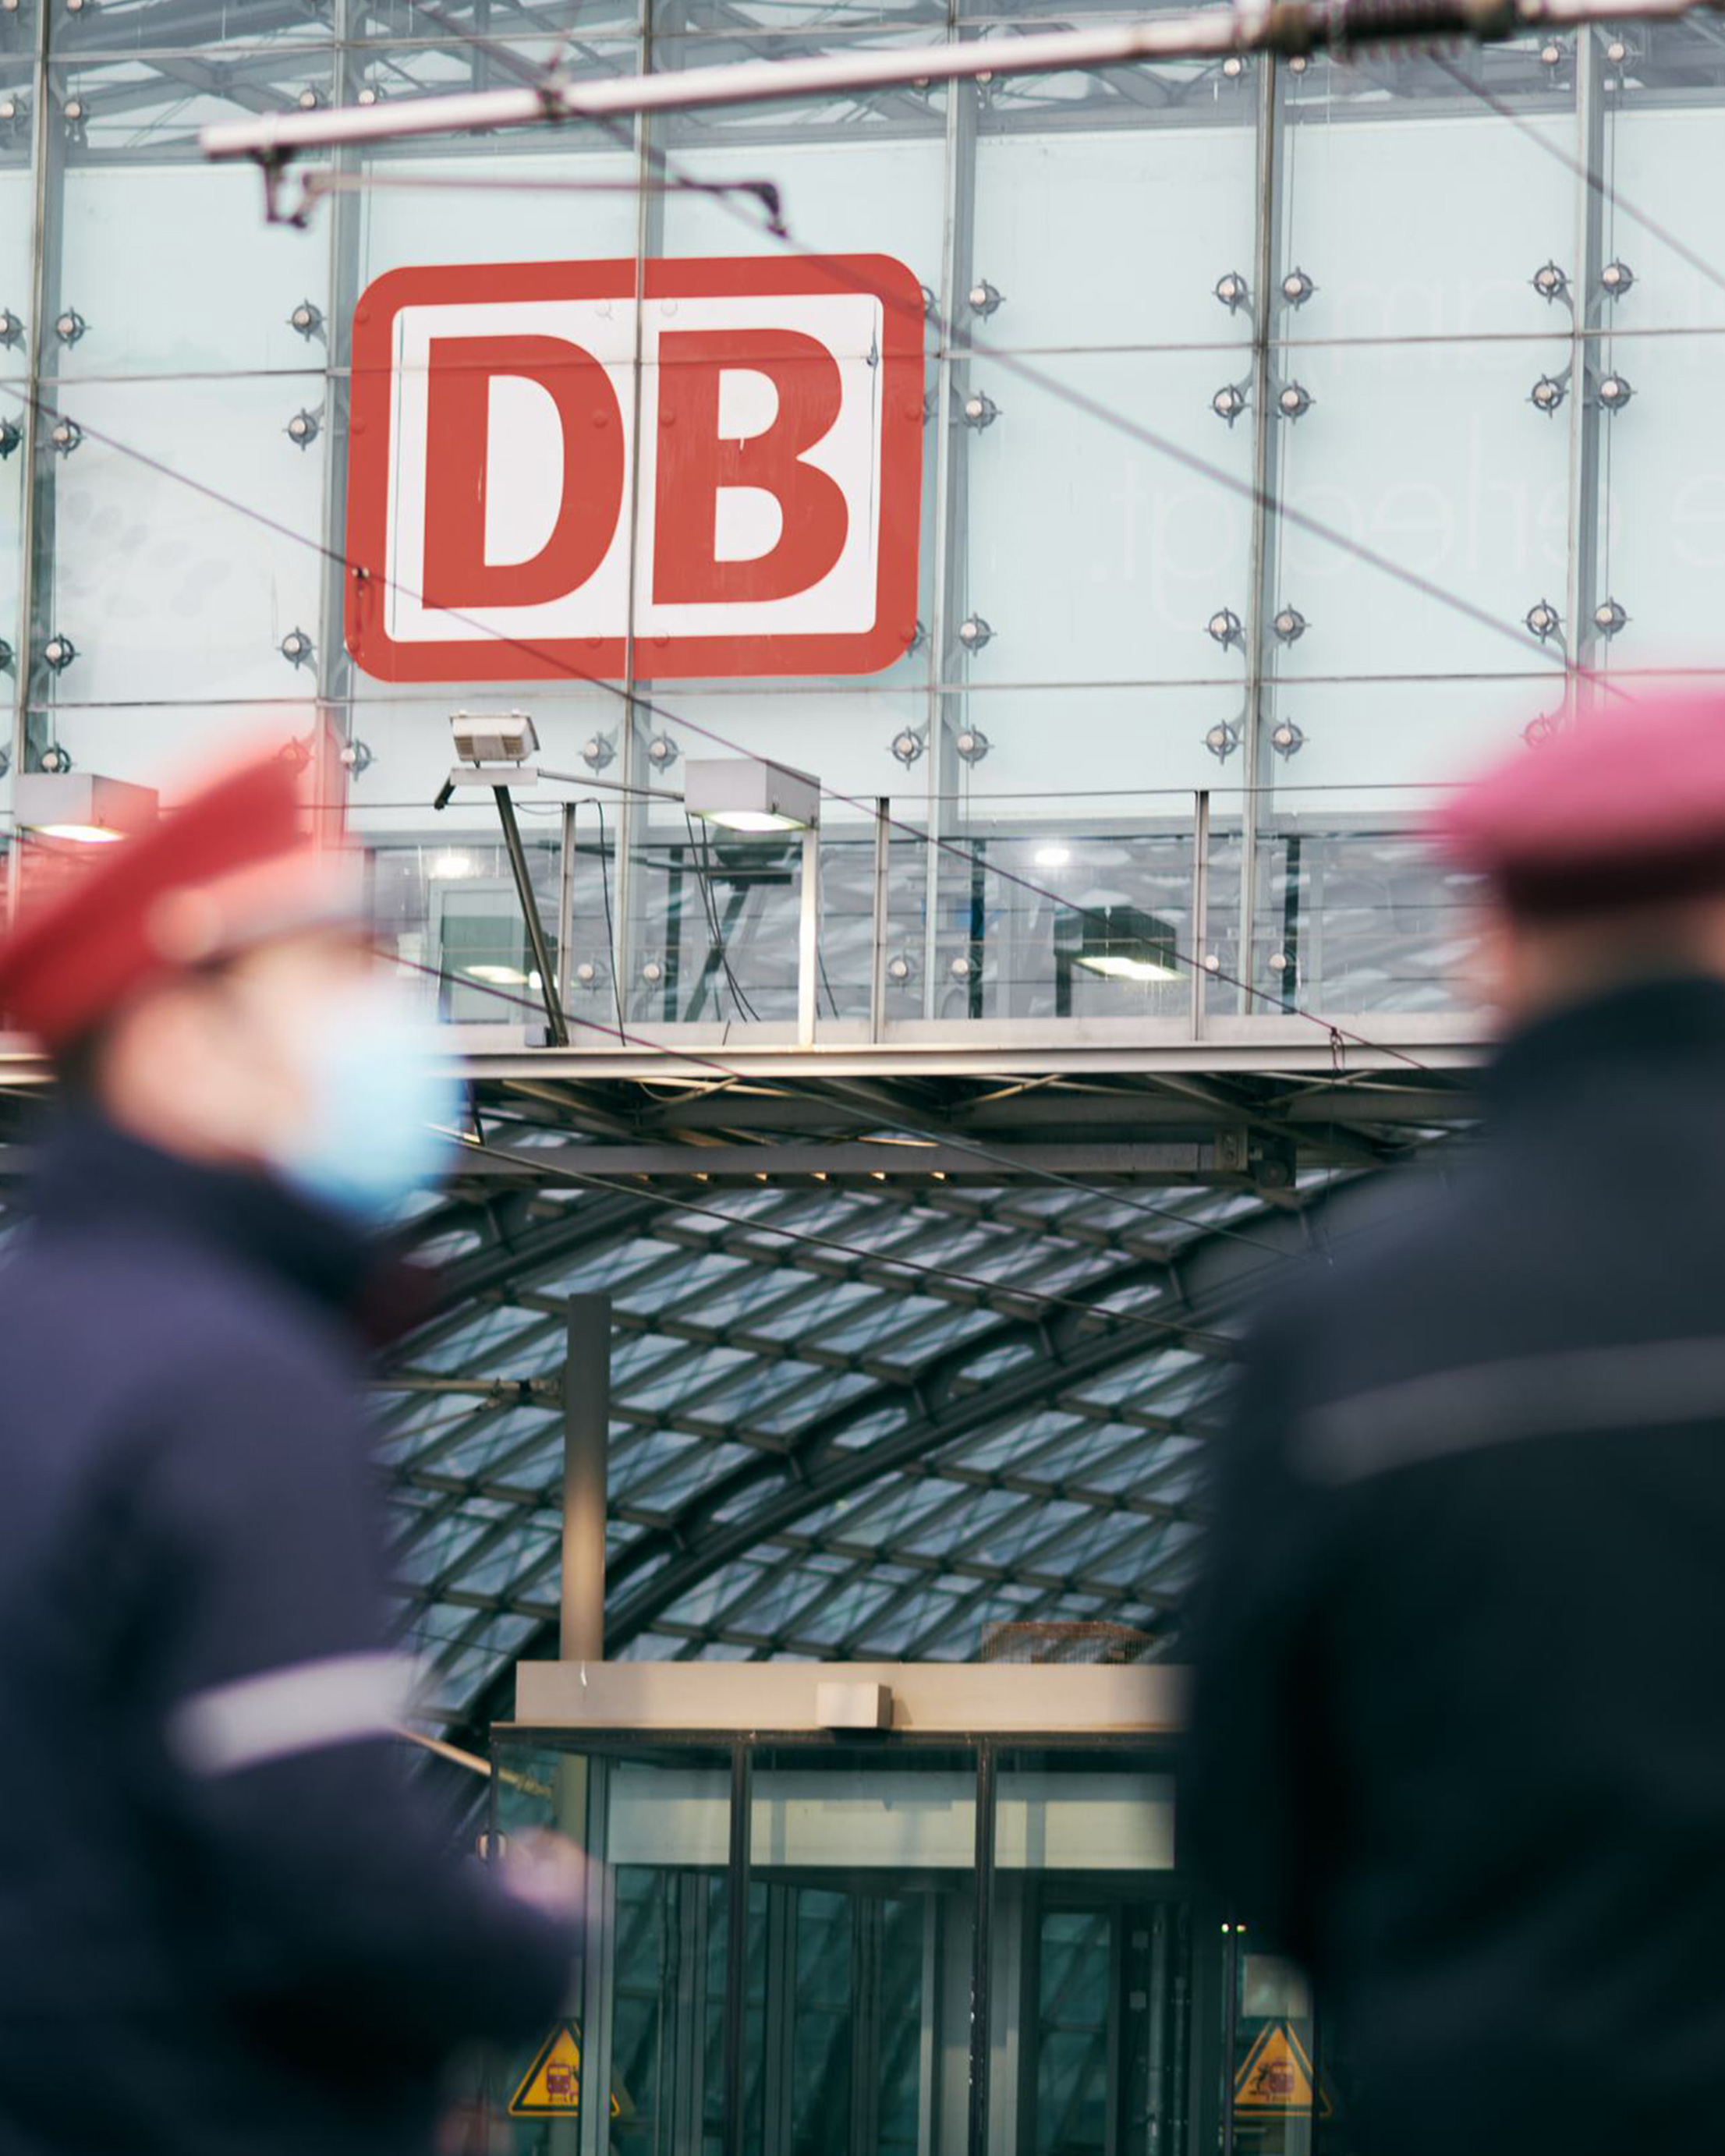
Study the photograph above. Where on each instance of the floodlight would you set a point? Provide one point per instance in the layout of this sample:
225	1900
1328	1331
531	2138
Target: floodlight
748	794
1542	619
1232	290
1297	288
1229	402
69	324
12	330
59	652
973	632
1120	943
296	647
984	298
1549	281
1223	739
82	809
1609	616
303	430
307	318
1224	626
65	436
1615	391
1295	400
1286	738
1547	394
1289	625
980	410
1615	280
494	737
972	744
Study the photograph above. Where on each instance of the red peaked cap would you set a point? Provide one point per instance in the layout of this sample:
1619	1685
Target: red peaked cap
77	960
1625	809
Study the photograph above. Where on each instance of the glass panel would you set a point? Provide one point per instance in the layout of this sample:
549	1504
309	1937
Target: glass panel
649	1994
860	1880
1276	2079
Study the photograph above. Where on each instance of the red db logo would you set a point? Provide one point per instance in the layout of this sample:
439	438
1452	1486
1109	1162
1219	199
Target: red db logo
768	486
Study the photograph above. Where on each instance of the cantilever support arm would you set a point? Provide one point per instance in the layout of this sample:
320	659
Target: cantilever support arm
554	1017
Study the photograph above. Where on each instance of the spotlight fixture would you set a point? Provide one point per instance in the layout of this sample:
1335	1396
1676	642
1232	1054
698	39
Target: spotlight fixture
303	430
70	325
59	652
307	318
357	756
12	330
961	969
1547	394
1542	619
1609	616
1295	400
653	971
598	752
65	436
296	647
56	759
748	794
1120	943
1229	402
1234	67
1550	54
1232	290
1224	626
973	632
310	98
1615	280
907	745
662	751
900	968
984	298
1549	281
1286	738
1289	625
970	744
1297	288
10	434
1615	391
1223	739
980	410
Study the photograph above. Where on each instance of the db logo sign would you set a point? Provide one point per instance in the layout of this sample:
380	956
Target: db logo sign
723	471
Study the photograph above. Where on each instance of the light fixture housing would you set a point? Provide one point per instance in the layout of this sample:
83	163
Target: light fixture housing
14	108
1120	942
56	757
370	95
310	98
81	808
494	737
1550	54
749	793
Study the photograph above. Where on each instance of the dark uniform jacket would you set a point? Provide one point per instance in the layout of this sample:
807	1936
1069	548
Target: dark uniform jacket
228	1919
1458	1731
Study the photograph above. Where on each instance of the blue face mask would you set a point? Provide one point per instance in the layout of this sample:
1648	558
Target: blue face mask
381	1109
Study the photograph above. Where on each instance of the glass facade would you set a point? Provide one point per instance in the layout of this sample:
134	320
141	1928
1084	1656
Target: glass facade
939	1947
1265	407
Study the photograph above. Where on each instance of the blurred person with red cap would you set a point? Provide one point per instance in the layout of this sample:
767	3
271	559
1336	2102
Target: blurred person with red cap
1457	1737
230	1920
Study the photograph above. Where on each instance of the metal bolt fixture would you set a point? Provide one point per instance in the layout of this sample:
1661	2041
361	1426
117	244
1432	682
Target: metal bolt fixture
1223	739
59	652
12	330
14	108
1295	400
598	752
973	632
1549	281
662	751
296	647
972	744
962	969
900	968
75	112
652	971
982	297
303	428
65	436
1229	402
310	98
1551	54
1547	394
1297	288
1298	65
1542	619
589	973
1609	616
1232	290
1289	625
70	325
57	759
907	745
1617	52
307	318
1615	391
1615	280
1281	962
7	656
1234	67
978	410
1224	626
370	95
357	756
1286	738
10	434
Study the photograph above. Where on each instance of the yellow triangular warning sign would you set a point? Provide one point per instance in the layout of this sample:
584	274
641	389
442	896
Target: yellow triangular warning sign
1277	2075
551	2088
